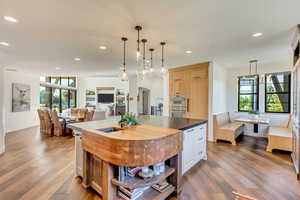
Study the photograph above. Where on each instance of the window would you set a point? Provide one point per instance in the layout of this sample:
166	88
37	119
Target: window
248	93
55	106
65	81
45	93
72	98
59	95
72	82
55	80
278	92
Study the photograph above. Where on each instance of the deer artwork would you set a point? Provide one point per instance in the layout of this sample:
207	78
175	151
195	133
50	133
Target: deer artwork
21	97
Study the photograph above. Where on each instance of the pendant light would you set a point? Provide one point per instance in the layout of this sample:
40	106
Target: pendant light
163	69
151	59
124	76
138	52
144	56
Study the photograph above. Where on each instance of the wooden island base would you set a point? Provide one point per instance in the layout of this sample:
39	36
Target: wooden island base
143	145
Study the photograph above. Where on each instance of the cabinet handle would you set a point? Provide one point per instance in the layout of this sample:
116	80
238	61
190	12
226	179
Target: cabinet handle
188	105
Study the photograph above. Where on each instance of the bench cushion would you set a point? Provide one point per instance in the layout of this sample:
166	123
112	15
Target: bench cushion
280	131
231	126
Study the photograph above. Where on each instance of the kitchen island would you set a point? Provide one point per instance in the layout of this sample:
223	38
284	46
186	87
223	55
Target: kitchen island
177	142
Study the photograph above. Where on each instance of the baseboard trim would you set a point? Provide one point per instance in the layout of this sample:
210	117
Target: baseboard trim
22	129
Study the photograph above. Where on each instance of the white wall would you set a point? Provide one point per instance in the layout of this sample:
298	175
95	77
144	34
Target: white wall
20	120
88	83
217	94
2	135
154	83
133	93
232	96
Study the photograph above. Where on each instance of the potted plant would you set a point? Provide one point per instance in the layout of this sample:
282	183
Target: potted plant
129	119
111	108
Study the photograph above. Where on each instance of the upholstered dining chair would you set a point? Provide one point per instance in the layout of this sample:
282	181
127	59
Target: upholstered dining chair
58	127
47	122
99	115
42	120
74	111
82	112
89	115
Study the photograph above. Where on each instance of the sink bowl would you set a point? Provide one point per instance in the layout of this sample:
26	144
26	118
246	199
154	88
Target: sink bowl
109	130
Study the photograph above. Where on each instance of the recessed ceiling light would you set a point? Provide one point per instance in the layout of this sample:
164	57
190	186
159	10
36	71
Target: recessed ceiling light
4	44
10	19
57	68
77	59
103	47
147	61
257	34
188	51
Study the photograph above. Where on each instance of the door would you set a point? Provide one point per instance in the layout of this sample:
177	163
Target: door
198	101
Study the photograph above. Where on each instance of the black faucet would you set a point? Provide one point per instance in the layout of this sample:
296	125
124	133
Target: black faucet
122	122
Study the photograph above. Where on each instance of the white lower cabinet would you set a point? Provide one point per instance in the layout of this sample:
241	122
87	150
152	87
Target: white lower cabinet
194	146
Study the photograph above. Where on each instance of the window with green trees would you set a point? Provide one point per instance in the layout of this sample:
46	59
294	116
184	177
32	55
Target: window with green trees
248	93
278	92
58	93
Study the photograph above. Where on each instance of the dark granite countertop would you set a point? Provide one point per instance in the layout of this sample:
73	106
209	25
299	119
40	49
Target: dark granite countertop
160	121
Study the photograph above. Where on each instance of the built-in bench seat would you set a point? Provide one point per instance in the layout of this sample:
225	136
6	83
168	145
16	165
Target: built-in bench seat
280	138
225	129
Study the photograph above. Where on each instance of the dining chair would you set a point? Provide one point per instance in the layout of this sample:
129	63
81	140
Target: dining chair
99	115
74	111
42	120
58	127
82	112
89	115
47	122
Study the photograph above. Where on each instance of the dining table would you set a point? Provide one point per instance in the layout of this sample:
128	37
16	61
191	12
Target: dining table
255	120
69	118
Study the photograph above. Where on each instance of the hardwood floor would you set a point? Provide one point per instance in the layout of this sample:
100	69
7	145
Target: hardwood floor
42	167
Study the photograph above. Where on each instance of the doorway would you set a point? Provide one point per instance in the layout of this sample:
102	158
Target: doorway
143	101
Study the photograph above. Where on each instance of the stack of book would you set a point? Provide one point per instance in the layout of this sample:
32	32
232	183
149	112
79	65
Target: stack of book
162	187
131	194
132	171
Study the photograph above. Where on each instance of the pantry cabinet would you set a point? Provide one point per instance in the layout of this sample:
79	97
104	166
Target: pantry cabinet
191	82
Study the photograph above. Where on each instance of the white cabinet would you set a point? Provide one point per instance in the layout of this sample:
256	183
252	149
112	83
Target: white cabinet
194	146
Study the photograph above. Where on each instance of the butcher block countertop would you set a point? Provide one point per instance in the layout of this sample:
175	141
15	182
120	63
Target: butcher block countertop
158	121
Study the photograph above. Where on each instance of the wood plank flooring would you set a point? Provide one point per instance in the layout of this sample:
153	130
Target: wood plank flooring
42	167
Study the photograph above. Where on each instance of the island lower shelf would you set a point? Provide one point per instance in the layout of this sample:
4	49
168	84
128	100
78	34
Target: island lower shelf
152	194
135	182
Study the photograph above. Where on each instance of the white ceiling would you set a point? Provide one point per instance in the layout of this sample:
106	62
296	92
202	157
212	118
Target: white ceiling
51	33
